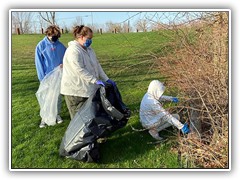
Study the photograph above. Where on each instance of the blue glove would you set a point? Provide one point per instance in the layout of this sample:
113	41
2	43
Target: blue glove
99	82
185	129
111	82
175	100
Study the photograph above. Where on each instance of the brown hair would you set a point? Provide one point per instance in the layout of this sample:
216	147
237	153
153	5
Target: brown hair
53	30
81	30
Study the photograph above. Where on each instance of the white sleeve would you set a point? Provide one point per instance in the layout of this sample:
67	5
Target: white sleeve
172	120
165	98
164	115
102	74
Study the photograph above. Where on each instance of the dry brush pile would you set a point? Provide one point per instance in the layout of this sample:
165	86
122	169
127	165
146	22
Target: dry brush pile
198	67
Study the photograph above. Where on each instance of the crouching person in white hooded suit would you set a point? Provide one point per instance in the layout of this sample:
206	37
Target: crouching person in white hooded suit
152	114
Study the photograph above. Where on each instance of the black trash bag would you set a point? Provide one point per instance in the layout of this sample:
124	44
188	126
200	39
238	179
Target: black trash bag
103	113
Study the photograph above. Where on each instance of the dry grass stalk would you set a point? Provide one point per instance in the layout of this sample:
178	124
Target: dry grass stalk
198	66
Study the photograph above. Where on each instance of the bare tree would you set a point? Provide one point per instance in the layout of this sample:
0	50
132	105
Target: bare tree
22	21
142	25
126	27
110	26
49	17
15	24
35	26
78	21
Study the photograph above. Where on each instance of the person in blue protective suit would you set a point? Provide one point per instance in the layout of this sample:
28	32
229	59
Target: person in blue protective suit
82	73
49	54
152	114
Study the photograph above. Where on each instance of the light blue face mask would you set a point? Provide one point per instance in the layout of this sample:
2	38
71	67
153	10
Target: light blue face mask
88	43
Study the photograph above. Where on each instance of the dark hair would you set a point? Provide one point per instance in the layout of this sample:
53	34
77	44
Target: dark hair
53	30
81	30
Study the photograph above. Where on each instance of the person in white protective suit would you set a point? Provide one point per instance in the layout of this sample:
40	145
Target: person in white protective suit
152	114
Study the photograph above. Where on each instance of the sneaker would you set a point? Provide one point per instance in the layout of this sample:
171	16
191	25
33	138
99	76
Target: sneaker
42	124
155	135
59	119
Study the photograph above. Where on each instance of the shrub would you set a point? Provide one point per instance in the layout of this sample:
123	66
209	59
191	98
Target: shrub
199	68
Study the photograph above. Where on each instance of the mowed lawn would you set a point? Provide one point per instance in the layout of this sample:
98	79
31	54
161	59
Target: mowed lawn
129	59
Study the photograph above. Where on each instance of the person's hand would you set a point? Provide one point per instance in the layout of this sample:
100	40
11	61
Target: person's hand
61	65
175	100
101	83
185	129
111	82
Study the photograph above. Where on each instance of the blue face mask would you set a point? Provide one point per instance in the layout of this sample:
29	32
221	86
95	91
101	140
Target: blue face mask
88	43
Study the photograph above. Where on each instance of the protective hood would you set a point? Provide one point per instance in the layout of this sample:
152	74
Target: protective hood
156	89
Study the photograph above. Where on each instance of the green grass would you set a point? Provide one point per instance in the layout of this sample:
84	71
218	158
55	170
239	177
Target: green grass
126	58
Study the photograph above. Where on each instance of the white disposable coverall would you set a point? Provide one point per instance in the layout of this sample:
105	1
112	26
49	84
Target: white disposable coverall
152	114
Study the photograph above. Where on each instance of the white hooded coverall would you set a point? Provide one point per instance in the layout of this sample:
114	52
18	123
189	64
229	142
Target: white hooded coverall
152	114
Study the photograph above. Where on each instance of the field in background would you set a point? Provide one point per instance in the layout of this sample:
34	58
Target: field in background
130	60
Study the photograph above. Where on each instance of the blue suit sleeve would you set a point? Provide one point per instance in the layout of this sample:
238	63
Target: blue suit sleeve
39	65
